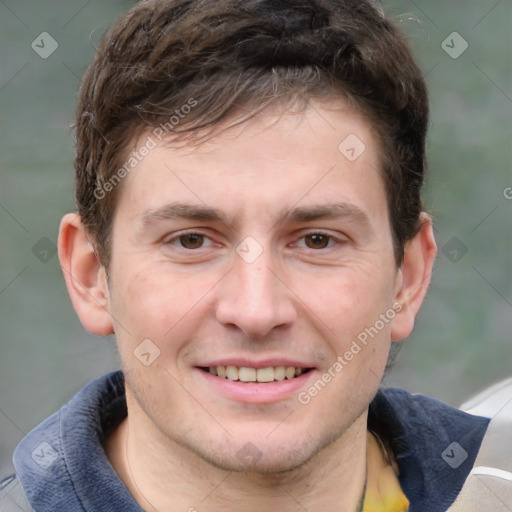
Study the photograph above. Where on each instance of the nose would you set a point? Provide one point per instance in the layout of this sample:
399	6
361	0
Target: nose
255	298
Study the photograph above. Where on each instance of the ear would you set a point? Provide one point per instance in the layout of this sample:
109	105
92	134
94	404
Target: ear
412	284
85	277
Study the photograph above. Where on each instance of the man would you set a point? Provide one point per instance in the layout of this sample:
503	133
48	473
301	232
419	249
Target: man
250	227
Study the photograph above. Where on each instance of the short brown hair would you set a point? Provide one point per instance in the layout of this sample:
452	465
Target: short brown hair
232	56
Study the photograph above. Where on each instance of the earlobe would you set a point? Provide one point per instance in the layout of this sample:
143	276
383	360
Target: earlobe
85	277
416	271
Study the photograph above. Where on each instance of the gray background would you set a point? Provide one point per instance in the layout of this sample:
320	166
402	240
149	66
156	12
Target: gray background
462	340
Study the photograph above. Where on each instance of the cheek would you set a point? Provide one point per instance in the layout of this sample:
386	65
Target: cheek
157	304
347	300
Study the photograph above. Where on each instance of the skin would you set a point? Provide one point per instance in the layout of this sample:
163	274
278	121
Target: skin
297	300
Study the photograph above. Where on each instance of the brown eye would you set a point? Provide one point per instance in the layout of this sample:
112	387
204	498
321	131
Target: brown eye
192	241
317	241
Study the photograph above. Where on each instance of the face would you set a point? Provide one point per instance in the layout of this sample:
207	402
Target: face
265	253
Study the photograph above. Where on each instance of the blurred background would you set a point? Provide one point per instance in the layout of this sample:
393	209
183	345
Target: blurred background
463	337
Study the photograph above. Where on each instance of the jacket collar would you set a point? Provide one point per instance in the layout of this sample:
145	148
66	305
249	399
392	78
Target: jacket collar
435	445
62	464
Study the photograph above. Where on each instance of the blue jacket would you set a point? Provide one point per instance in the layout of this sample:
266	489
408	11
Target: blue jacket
63	467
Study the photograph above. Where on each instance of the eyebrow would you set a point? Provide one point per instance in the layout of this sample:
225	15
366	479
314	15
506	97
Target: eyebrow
328	211
297	214
182	211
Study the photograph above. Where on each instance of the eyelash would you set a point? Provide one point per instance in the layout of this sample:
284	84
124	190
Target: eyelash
176	238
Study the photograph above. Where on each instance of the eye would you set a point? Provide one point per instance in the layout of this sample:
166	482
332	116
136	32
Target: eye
189	241
317	241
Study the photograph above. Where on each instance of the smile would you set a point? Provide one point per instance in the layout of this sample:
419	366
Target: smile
260	375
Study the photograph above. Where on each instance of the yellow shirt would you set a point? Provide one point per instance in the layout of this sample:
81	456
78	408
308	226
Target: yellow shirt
383	490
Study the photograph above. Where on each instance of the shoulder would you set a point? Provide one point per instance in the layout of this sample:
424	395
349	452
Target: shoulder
435	445
62	459
443	451
489	485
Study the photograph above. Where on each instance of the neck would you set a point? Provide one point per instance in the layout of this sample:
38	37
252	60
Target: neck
163	475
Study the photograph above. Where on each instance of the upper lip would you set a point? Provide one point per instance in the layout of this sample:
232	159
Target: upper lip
250	363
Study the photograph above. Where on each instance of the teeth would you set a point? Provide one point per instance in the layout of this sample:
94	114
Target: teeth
279	373
246	374
232	372
265	374
289	372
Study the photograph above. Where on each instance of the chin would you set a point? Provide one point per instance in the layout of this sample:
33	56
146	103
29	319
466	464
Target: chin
261	463
265	456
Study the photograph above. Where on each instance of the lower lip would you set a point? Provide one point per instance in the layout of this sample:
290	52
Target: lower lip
254	392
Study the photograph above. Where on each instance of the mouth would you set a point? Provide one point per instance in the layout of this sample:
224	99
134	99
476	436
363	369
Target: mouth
265	382
248	374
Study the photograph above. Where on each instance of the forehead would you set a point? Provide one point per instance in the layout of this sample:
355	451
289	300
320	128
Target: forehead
272	161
